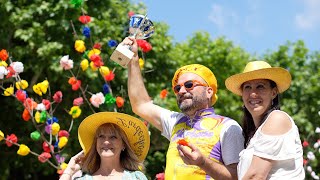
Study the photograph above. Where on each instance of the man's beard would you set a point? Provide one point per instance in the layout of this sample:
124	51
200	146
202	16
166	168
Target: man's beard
197	102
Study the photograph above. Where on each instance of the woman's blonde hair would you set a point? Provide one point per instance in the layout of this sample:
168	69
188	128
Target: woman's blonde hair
128	159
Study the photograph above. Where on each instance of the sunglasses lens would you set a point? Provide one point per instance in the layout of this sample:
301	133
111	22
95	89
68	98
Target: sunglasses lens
177	88
188	84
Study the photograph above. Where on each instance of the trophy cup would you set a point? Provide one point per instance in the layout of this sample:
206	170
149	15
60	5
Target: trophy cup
140	27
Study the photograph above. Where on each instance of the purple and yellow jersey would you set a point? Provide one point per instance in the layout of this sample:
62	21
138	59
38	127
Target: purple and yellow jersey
204	132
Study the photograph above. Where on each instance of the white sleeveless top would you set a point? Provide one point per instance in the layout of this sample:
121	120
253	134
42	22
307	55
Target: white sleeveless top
285	150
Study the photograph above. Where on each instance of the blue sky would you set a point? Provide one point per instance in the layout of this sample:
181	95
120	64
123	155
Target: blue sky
255	25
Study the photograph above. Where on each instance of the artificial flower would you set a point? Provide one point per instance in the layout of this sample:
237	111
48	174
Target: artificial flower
3	63
66	63
305	143
10	72
57	97
26	115
23	84
317	130
79	46
84	64
64	166
86	31
109	99
47	128
37	117
63	133
3	72
119	102
52	120
77	85
85	55
96	59
44	85
78	101
43	116
8	91
23	150
106	89
84	19
130	13
4	55
62	142
76	3
35	135
97	99
17	67
97	46
72	80
21	95
60	159
104	70
43	157
163	93
40	107
55	128
160	176
46	147
12	138
144	45
75	112
46	104
93	51
110	76
30	104
141	63
93	67
112	43
36	89
1	135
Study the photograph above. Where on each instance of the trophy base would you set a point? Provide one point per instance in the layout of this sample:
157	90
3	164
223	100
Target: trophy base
122	55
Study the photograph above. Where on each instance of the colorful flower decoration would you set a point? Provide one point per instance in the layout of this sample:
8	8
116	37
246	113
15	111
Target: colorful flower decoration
110	76
4	55
78	101
35	135
55	128
112	43
104	70
76	3
144	45
26	115
43	157
66	63
85	19
163	93
97	99
130	13
23	84
23	150
119	102
97	46
106	89
86	31
8	91
12	138
79	46
141	63
1	135
75	112
84	64
3	72
62	142
109	99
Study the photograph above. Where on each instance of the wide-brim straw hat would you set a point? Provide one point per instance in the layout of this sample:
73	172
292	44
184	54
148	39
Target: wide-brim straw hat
135	130
259	70
205	73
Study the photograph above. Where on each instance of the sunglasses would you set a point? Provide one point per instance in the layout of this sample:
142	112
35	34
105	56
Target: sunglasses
189	85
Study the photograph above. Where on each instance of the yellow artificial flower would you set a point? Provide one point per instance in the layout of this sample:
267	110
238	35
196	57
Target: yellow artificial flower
44	85
9	91
84	64
36	89
55	127
94	51
104	70
23	84
93	67
79	46
75	111
62	142
141	63
3	63
1	136
63	166
37	117
23	150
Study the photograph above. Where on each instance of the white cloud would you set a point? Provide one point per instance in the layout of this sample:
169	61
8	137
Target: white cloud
310	17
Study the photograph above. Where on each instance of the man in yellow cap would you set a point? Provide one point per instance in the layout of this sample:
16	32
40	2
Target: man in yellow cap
197	129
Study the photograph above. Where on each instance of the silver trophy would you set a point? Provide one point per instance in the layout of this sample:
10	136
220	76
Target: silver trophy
140	27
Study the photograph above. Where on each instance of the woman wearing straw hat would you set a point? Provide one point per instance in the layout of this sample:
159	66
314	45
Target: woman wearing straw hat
272	144
114	147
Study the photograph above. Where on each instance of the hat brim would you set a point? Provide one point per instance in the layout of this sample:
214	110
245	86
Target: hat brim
135	130
279	75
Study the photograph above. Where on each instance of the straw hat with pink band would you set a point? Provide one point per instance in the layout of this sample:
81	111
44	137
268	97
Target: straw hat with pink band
205	73
135	130
259	70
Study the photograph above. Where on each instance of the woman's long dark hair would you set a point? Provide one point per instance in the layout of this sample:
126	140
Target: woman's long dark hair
248	125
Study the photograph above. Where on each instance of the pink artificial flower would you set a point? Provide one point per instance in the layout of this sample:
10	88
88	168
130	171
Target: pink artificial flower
21	95
17	67
130	13
13	138
63	133
46	103
305	143
97	99
10	72
43	157
85	19
78	101
46	147
77	85
57	97
97	46
160	176
66	63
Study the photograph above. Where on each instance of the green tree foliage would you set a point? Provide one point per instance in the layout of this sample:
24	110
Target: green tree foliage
38	33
